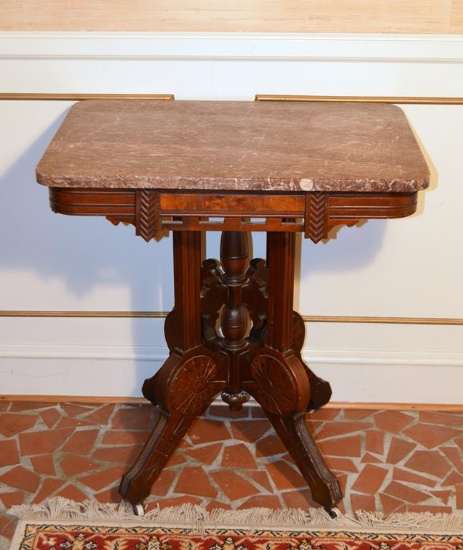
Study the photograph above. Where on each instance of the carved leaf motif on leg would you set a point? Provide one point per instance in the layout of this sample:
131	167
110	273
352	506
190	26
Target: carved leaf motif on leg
194	386
275	389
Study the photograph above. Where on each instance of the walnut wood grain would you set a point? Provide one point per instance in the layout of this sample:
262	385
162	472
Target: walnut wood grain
236	167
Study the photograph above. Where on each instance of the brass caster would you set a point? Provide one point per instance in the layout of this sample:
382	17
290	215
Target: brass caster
138	510
334	512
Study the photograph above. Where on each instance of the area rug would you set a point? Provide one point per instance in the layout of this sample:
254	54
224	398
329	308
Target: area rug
64	525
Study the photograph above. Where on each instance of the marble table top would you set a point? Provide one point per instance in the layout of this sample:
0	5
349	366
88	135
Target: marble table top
235	146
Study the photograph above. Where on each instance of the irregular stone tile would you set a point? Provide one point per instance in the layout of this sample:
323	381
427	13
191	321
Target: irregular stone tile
12	498
224	411
43	441
393	421
13	424
206	454
120	437
369	458
75	423
9	453
399	474
194	481
454	455
111	494
342	446
123	454
285	476
73	465
428	463
340	464
257	412
361	502
178	458
459	442
163	483
459	496
208	431
234	486
21	478
326	414
398	450
132	418
334	429
358	414
442	418
44	464
370	479
103	478
374	442
405	493
75	409
261	478
71	492
81	442
238	456
390	504
270	445
102	415
301	498
454	478
250	431
430	436
21	406
50	417
49	488
442	495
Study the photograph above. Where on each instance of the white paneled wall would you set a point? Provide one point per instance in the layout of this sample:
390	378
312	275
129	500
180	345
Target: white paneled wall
409	268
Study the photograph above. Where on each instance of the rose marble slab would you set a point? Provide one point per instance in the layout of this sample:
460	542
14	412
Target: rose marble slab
235	146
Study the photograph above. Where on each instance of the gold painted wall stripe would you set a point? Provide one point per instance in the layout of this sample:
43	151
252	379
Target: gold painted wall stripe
79	97
365	99
307	318
259	97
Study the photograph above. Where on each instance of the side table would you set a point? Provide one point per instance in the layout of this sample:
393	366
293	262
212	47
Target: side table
234	167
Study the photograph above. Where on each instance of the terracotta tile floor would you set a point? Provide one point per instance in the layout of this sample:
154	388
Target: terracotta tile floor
391	461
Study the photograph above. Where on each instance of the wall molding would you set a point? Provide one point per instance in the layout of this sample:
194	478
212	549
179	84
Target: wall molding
158	354
386	48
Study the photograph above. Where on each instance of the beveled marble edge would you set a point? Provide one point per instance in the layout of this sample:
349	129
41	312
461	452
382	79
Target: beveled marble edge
235	184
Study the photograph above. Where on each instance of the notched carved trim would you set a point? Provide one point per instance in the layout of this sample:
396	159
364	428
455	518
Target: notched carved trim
148	214
315	227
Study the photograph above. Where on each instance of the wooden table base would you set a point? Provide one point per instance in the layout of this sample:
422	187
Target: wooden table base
233	331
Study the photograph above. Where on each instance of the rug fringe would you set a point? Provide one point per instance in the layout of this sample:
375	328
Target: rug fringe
188	515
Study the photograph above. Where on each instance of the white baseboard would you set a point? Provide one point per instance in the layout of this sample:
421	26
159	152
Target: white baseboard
403	377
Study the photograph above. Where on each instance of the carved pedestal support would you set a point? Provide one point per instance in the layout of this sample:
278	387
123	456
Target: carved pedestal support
233	331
